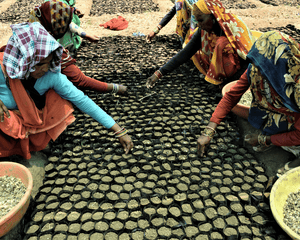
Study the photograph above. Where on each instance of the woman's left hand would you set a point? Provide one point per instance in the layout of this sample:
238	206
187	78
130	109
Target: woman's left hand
126	143
252	139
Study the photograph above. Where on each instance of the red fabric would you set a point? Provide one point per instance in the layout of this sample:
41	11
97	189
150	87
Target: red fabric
119	23
232	97
81	81
29	129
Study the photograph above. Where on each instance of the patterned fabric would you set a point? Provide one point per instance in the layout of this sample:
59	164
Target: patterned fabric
213	60
29	44
54	15
274	82
183	16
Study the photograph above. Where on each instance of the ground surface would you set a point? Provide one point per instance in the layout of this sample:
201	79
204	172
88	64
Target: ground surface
257	15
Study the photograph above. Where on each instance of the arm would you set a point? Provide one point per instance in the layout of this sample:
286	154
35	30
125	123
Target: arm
181	57
167	18
68	91
80	32
230	99
291	138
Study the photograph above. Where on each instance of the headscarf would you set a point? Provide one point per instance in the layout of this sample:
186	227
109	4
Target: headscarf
29	44
54	15
274	79
236	31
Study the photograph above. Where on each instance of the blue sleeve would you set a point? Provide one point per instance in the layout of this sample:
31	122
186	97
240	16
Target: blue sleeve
68	91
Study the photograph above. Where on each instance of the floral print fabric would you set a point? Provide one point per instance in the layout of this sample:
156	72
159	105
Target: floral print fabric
274	81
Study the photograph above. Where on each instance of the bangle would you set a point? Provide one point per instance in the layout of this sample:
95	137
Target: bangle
159	27
208	132
156	30
262	140
158	74
121	133
211	128
265	140
115	88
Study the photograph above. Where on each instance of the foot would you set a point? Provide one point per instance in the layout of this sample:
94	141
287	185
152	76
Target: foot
288	166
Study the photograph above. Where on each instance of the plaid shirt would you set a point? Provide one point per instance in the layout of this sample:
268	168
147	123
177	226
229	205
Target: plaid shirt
29	44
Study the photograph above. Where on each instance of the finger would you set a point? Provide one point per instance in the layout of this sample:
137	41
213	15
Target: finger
6	112
202	150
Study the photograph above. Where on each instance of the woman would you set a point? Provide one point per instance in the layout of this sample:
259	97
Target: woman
71	40
273	77
56	18
34	95
218	47
182	9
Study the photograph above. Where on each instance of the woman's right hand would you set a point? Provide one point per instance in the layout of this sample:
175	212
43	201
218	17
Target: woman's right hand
150	36
151	81
3	110
126	143
202	142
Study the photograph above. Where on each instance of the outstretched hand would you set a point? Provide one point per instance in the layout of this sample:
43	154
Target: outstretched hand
202	142
3	110
92	38
126	143
150	36
151	81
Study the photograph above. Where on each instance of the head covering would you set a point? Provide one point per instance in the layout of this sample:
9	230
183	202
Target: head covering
54	15
203	7
275	82
236	31
29	44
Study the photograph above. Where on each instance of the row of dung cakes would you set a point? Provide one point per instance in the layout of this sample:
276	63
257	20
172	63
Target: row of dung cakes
162	189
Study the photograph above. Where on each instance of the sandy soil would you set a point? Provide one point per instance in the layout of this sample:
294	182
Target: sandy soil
261	17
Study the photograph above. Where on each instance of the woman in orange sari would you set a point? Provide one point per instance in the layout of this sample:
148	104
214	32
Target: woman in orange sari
218	44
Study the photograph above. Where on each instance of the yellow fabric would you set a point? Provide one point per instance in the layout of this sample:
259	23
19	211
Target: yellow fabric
201	4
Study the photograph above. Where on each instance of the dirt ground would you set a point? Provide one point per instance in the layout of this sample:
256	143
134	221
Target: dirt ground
263	16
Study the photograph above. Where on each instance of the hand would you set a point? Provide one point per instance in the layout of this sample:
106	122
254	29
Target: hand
251	139
150	36
202	142
92	38
126	143
151	81
3	109
79	13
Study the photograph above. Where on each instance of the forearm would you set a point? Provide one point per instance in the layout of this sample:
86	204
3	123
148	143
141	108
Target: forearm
167	18
184	55
77	30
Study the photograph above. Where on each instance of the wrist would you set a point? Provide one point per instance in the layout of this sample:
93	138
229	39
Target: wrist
209	132
158	74
156	30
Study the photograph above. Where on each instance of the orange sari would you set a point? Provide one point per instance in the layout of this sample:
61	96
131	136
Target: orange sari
219	57
30	129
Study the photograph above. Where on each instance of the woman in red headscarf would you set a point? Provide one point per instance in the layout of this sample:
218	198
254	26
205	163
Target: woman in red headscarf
56	18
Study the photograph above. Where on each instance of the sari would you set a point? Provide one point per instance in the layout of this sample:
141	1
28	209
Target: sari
28	128
219	57
274	82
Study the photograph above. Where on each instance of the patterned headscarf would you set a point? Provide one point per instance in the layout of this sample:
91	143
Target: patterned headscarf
54	15
236	31
29	44
274	79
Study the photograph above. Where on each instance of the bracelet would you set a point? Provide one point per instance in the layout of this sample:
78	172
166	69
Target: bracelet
211	128
156	30
262	140
159	27
265	140
122	133
115	88
208	132
122	129
158	74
